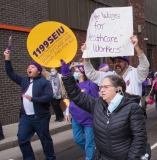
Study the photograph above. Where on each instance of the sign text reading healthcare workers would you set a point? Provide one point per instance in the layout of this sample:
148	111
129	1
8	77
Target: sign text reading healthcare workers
50	42
109	33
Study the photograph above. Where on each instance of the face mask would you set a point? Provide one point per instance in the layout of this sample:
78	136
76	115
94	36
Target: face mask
53	73
115	102
76	75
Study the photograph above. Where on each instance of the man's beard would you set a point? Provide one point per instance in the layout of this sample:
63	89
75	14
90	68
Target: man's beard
120	70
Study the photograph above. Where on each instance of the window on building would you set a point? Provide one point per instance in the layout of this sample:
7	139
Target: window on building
96	62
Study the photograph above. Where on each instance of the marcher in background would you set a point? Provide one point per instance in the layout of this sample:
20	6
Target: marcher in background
153	92
154	81
133	77
118	122
151	73
35	108
155	74
149	79
59	93
1	132
146	88
82	121
104	67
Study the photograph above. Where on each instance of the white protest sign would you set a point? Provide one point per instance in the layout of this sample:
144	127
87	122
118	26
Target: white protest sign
109	33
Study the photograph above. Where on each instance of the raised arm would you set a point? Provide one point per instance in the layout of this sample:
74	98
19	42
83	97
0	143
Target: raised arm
143	67
81	99
9	69
91	73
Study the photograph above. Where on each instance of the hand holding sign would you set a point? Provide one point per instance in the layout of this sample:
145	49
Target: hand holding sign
10	41
7	54
49	42
83	47
134	40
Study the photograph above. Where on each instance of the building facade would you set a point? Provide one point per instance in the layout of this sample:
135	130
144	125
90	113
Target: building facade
20	16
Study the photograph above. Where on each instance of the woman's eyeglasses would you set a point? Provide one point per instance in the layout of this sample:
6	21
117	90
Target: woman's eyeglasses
105	87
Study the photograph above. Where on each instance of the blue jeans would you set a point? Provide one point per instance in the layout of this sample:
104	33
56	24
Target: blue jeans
28	125
86	142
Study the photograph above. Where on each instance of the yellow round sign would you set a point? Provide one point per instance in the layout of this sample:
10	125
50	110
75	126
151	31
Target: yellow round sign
49	42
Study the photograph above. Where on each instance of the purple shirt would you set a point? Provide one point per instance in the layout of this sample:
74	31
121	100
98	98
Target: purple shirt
81	116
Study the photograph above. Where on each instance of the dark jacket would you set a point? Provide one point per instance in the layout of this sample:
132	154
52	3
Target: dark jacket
124	137
42	91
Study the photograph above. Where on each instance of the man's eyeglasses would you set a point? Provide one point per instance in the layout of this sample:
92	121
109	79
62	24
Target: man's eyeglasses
105	87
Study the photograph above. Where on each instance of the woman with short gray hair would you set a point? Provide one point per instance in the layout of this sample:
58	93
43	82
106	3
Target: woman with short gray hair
118	121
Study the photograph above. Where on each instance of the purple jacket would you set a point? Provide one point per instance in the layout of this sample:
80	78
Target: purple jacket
79	115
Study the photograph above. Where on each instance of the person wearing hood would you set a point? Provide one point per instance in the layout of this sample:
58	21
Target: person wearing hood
118	122
59	93
82	121
35	108
133	77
